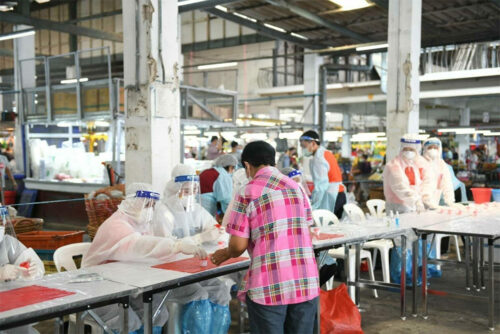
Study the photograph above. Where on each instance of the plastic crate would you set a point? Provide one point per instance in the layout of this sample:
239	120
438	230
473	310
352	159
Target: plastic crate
50	267
50	239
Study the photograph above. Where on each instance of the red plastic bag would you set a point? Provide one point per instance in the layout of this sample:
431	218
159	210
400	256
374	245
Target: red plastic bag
339	315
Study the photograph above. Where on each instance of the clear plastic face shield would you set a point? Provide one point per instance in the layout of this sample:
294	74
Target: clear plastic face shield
432	149
147	201
296	175
410	148
7	233
189	191
305	144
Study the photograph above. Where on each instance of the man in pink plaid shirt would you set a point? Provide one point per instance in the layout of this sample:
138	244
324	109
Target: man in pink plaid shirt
271	218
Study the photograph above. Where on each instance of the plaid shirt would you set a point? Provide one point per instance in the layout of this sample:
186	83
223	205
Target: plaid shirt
272	212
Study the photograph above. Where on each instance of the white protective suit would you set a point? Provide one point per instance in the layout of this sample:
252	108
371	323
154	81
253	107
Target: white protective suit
173	219
240	180
128	236
441	183
404	177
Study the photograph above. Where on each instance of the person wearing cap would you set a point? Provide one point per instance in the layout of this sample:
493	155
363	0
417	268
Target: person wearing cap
216	184
127	236
180	215
441	186
297	176
328	190
404	177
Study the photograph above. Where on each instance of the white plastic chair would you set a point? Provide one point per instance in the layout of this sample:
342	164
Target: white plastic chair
437	241
323	218
383	246
376	207
63	258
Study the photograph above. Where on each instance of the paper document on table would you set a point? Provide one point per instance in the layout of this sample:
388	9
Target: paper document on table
194	264
29	295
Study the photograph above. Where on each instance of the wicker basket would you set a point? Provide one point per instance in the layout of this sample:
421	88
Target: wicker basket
98	210
23	224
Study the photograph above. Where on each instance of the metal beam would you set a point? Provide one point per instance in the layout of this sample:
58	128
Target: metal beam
95	16
58	26
262	29
319	20
225	42
203	5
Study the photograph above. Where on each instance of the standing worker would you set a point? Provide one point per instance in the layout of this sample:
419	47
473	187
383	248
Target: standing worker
214	149
216	184
5	168
403	179
271	219
441	184
328	190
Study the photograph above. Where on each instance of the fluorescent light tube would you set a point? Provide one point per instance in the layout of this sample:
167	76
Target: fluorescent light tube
245	17
372	47
270	26
18	34
72	81
219	65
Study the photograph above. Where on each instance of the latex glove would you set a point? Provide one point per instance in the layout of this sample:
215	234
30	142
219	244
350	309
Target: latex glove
420	206
10	272
210	234
189	247
34	270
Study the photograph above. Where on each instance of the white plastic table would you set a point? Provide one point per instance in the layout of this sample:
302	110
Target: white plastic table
87	296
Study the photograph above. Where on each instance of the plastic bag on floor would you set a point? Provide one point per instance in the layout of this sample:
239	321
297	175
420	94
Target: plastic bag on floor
197	317
339	315
221	319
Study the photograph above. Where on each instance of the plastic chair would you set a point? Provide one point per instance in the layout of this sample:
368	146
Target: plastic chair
376	207
323	218
63	256
437	241
383	246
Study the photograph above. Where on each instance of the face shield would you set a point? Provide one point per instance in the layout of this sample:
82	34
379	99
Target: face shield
296	175
189	191
410	147
305	144
432	148
8	235
140	206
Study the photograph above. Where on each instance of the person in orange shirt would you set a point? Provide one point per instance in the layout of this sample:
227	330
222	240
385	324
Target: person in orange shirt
329	192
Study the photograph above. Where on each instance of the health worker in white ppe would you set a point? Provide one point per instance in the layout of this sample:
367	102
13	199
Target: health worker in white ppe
181	215
441	185
240	180
216	184
127	236
17	263
404	177
298	177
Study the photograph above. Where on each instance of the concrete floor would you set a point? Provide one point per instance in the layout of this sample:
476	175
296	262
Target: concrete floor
446	315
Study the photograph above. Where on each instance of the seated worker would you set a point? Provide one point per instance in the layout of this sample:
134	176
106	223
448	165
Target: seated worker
297	176
180	215
328	190
128	236
217	185
16	262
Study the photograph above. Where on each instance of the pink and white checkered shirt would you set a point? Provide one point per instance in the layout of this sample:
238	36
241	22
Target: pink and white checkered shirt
272	212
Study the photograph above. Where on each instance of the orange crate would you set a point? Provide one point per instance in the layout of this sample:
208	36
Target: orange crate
50	239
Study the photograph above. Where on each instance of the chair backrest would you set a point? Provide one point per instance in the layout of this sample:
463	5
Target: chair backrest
376	207
354	212
323	218
63	256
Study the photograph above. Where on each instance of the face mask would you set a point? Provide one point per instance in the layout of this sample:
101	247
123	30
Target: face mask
239	151
410	155
146	215
307	154
2	233
187	200
432	154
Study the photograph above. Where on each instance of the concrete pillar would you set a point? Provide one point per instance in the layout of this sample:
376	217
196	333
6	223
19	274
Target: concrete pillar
151	67
346	138
24	48
312	62
403	85
463	140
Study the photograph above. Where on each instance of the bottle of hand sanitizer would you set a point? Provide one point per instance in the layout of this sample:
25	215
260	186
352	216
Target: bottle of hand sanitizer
397	219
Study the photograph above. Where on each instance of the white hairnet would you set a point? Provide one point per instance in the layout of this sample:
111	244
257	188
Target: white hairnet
411	140
179	170
226	160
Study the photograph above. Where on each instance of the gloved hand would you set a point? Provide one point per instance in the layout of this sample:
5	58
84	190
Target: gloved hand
34	269
210	234
189	247
420	206
10	272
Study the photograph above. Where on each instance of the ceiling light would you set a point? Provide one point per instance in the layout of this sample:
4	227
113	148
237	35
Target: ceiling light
222	8
72	81
189	2
367	47
298	35
218	65
493	134
270	26
245	17
18	34
458	130
42	1
351	4
5	8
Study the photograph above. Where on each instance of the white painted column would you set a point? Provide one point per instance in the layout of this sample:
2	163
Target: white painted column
312	62
24	48
346	138
463	140
152	124
403	85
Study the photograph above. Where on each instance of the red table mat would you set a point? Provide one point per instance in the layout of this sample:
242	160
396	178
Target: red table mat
29	295
326	236
192	265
